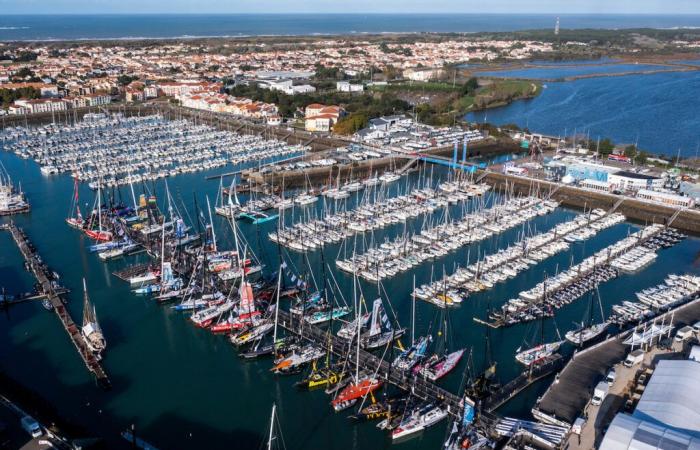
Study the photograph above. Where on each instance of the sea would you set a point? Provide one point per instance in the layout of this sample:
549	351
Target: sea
123	26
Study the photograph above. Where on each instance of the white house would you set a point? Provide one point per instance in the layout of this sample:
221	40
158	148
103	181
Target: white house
422	74
346	86
43	105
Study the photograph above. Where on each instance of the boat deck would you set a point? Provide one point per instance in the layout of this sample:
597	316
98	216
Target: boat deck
41	273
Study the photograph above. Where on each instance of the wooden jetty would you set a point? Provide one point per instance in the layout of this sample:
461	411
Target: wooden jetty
6	300
532	374
42	274
418	386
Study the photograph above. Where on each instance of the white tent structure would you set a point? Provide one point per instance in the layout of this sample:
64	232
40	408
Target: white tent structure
668	414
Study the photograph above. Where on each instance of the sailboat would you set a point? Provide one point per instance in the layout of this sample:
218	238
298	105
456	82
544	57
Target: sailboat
418	420
412	355
99	234
359	387
588	331
11	200
380	331
91	331
272	437
75	219
543	350
441	362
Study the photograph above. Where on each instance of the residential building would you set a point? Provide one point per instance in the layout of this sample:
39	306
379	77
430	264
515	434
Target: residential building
42	105
346	86
319	117
423	74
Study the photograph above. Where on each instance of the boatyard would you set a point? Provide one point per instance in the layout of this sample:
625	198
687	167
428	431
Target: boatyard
351	286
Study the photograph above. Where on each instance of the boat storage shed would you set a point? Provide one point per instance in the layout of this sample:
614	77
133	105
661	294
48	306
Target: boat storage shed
668	414
629	433
671	397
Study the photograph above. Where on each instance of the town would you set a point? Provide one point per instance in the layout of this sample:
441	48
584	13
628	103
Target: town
351	240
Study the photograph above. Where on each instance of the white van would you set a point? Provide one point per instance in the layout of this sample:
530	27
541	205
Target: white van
696	326
634	357
31	426
684	334
610	378
599	393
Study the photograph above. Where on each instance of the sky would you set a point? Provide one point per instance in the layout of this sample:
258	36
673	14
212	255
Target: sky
352	6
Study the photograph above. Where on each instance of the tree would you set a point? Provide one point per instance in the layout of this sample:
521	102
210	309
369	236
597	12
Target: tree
24	72
631	151
350	124
469	88
8	96
25	56
642	157
123	80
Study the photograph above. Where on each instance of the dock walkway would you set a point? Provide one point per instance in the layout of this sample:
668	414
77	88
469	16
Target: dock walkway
571	391
511	389
418	386
42	274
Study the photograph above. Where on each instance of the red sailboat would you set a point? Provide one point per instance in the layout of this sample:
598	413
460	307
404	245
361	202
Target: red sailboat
354	391
99	234
76	218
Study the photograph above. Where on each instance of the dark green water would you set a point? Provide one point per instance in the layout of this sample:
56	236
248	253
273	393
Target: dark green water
185	388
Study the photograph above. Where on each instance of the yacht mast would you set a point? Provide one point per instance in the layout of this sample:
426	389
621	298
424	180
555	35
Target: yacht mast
270	437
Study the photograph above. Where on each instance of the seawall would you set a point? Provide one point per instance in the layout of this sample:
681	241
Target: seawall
641	211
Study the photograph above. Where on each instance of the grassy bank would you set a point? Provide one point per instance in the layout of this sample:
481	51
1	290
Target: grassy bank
442	103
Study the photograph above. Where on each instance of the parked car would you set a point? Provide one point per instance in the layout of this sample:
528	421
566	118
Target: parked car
684	334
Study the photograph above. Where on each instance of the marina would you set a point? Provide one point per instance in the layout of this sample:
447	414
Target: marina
387	259
567	286
222	281
519	256
374	211
113	150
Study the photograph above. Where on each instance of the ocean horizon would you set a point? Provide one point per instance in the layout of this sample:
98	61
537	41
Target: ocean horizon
57	27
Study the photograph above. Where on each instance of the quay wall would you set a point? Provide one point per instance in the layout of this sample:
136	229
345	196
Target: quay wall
321	175
642	211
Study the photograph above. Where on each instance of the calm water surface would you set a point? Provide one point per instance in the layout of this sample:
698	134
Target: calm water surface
185	388
654	110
